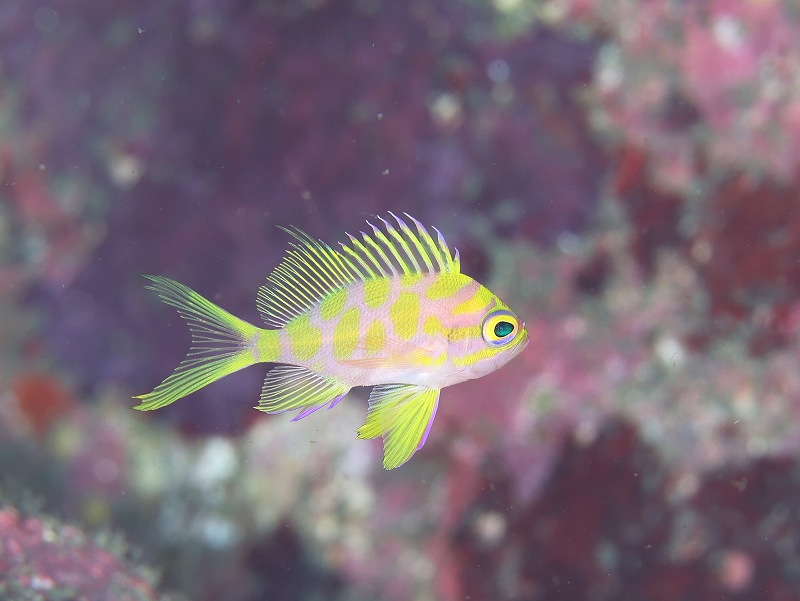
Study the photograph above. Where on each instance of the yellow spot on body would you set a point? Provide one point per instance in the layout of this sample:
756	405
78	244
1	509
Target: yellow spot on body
433	325
446	285
464	333
345	335
409	279
267	346
479	302
304	339
404	314
425	360
376	292
375	338
333	304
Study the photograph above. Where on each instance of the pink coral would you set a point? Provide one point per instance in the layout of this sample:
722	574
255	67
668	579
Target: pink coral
42	559
727	61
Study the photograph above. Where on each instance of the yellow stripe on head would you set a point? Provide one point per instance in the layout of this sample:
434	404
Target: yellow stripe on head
472	358
480	301
446	285
433	325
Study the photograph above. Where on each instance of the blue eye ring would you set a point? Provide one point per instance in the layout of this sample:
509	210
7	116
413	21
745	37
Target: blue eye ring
499	327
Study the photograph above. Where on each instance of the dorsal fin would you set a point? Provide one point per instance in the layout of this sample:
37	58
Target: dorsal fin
312	270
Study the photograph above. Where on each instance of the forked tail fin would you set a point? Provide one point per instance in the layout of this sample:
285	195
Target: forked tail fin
221	344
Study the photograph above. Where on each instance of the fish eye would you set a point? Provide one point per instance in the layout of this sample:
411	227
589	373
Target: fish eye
503	328
499	327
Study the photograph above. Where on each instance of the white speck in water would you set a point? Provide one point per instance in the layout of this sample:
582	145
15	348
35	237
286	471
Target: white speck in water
41	583
728	32
670	351
49	535
568	243
498	71
507	6
219	532
702	251
126	169
609	71
490	527
446	110
386	172
216	462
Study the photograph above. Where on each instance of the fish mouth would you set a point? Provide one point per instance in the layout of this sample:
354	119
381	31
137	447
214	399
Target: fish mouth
523	343
527	336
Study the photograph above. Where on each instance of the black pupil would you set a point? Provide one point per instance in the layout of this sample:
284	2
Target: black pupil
503	329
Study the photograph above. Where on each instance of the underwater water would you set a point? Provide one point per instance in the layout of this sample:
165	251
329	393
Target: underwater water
625	175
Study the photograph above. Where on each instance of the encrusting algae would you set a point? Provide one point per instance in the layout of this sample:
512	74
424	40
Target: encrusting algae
390	310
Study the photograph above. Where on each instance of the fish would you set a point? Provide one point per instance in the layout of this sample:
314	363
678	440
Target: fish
389	309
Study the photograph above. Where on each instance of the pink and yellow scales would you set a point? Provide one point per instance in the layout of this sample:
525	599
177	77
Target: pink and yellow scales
390	310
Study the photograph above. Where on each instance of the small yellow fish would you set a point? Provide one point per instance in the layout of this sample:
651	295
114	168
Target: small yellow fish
390	310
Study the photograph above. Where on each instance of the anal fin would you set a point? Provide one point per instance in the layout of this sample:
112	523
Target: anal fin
402	414
289	387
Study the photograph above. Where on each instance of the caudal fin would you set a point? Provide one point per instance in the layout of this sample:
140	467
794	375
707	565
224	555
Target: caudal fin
221	344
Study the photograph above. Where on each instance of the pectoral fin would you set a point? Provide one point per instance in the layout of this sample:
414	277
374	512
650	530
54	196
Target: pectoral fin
403	415
289	387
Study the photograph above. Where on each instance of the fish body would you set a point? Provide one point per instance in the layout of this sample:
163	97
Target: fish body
390	309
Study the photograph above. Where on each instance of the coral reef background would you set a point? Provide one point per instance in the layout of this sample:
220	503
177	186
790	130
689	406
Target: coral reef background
625	173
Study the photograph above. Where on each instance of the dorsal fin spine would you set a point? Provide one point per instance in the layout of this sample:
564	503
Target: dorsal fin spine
302	289
343	265
319	254
417	242
392	247
303	286
410	235
359	258
369	255
317	268
432	246
310	266
387	267
443	252
414	267
357	273
288	299
331	258
294	290
312	270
